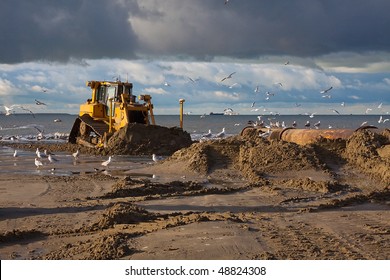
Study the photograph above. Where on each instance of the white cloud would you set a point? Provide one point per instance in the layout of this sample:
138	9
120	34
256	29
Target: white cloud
152	90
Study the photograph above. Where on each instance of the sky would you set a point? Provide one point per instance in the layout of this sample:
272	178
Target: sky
283	54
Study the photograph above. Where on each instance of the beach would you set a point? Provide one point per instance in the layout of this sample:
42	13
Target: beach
241	197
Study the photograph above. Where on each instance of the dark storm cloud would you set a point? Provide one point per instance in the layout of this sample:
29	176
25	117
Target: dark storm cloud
63	29
253	28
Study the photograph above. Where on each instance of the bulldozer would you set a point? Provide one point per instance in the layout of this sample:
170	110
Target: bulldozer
111	107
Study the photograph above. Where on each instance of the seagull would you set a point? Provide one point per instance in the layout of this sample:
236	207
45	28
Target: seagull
9	110
326	96
167	84
368	110
39	154
207	135
253	104
233	85
39	102
380	106
257	89
265	134
51	159
280	84
38	163
342	104
317	124
287	63
363	124
307	124
337	112
294	124
15	153
76	154
221	134
156	158
193	80
107	162
311	115
326	90
228	77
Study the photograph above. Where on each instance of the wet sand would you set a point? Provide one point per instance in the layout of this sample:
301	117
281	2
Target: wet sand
225	199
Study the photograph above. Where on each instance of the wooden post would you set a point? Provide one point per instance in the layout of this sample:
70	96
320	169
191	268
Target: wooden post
181	101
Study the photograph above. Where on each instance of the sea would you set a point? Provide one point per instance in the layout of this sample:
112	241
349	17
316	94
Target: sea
56	127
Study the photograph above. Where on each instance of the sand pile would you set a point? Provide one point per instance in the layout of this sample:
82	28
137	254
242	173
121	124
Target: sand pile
123	213
254	156
370	152
258	158
140	139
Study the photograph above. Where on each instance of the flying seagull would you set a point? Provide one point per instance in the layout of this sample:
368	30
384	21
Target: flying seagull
228	77
337	112
39	102
326	90
9	110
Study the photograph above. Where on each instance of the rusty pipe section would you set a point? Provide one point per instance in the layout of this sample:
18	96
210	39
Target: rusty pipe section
308	136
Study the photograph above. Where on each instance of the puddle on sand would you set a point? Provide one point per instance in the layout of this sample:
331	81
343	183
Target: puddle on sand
66	165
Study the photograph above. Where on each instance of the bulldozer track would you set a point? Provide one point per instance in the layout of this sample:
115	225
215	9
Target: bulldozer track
97	126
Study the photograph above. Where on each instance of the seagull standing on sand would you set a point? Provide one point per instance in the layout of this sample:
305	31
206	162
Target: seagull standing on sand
51	159
307	124
76	154
107	162
39	154
317	124
221	134
156	158
208	134
38	163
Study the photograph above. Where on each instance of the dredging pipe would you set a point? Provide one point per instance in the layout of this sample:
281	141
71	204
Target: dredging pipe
305	136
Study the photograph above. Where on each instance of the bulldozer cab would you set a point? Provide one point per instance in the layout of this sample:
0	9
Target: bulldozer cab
105	92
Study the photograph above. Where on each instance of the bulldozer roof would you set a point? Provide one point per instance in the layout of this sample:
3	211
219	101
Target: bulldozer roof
94	84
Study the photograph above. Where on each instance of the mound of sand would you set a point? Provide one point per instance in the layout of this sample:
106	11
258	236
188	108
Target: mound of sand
140	139
123	213
257	158
252	155
370	152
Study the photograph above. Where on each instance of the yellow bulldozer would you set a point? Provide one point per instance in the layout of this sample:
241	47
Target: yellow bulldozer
111	107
